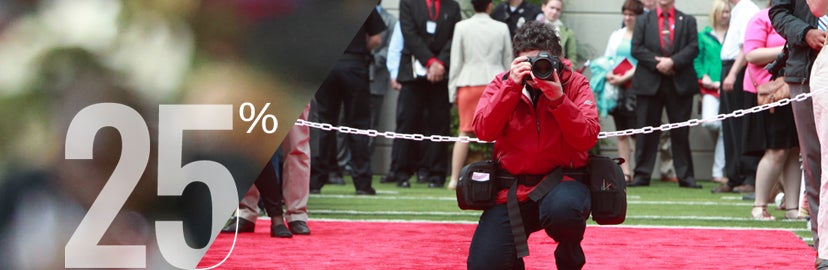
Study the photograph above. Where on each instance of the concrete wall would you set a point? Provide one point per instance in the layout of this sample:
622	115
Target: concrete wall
592	21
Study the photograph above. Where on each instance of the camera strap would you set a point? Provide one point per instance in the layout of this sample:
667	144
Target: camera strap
513	207
516	221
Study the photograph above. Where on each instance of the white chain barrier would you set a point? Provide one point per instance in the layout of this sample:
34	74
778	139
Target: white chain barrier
601	135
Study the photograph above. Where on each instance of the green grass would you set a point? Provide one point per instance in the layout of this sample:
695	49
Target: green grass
661	204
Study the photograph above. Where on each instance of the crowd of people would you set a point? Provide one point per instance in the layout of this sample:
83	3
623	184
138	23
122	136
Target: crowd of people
436	60
657	63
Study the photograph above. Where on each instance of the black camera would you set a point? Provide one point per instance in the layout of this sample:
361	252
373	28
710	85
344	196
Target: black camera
544	64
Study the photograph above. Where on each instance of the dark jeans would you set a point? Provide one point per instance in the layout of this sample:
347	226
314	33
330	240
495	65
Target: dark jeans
562	213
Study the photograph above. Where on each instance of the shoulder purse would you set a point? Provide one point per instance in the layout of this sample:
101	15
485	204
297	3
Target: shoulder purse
771	91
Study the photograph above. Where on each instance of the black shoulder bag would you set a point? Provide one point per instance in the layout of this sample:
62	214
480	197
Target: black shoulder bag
608	190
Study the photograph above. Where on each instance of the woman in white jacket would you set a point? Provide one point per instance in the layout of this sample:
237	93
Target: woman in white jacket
619	47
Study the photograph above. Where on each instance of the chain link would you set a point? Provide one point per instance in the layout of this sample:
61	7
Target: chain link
602	135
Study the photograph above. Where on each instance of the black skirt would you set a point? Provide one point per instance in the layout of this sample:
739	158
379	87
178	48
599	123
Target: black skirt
624	112
766	130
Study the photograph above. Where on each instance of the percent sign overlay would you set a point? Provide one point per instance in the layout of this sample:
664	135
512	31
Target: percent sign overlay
247	113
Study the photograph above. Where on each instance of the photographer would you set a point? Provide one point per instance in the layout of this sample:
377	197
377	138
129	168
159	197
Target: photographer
539	126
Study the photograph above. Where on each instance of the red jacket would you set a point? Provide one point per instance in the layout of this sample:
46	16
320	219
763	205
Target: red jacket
535	141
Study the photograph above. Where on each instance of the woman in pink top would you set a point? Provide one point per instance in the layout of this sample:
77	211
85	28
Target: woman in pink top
772	134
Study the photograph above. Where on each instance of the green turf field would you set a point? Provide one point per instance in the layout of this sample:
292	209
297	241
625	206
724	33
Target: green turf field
661	204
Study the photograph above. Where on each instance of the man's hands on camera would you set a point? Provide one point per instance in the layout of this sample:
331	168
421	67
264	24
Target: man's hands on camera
436	72
521	72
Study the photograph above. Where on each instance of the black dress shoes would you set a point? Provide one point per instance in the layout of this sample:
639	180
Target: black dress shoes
278	229
336	179
368	191
690	184
243	225
435	185
299	227
639	183
404	184
388	178
422	176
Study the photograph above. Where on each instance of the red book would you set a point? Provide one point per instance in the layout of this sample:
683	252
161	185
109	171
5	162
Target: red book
622	68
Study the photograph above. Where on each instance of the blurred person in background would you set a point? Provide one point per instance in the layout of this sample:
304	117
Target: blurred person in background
795	22
427	27
819	84
708	65
395	47
649	5
773	132
740	169
552	10
515	13
284	180
348	86
481	48
665	44
619	47
380	77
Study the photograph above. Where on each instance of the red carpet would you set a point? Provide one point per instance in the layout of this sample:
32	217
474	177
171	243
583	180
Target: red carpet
384	245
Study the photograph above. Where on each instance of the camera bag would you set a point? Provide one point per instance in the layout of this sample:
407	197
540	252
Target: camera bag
476	187
608	190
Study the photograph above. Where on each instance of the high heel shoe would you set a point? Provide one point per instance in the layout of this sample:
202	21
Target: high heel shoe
760	212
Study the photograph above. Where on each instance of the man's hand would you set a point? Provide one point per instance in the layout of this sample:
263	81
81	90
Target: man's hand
395	85
665	65
520	69
553	90
815	38
436	72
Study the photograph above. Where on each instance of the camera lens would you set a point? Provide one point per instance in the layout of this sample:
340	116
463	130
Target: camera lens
542	69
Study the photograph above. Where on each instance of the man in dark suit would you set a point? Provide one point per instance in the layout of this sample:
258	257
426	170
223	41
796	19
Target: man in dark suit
347	88
423	106
514	13
665	44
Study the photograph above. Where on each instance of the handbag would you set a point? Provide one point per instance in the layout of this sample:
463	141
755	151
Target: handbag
771	91
476	187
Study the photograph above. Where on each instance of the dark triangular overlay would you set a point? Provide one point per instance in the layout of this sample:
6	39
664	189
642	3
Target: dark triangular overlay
124	132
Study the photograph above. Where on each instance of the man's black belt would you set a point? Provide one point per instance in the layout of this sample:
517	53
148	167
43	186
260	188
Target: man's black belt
505	179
